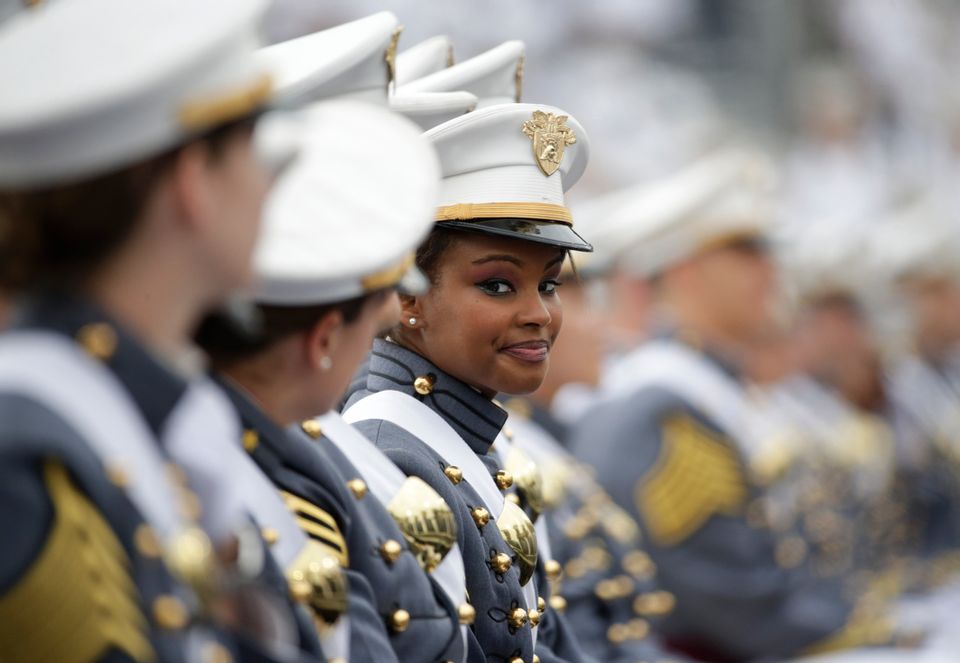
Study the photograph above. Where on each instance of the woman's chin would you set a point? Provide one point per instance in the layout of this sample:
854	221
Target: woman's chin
518	383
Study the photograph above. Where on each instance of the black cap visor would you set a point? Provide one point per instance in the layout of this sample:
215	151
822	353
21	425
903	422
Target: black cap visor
552	233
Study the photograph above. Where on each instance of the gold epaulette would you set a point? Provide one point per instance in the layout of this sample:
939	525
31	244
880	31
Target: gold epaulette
696	476
426	521
77	601
866	626
319	526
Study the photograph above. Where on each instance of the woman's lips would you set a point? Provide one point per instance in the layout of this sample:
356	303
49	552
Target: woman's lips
532	351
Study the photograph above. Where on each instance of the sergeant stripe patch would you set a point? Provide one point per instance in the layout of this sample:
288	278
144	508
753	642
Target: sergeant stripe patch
319	526
696	476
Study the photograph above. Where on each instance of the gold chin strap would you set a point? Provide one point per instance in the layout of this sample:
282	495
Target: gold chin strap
229	105
532	211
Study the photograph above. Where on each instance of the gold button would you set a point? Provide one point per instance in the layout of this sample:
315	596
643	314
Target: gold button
638	564
553	569
516	659
118	476
535	659
147	542
503	479
301	590
357	487
654	604
214	652
169	612
501	563
270	535
541	604
508	433
251	440
534	616
423	385
99	340
399	620
467	614
390	550
513	498
312	428
558	603
176	474
190	505
454	473
480	516
618	633
517	618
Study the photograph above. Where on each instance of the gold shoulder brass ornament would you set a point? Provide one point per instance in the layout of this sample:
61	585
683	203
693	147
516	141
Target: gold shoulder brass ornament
316	579
527	479
426	521
319	526
518	532
77	601
696	476
550	135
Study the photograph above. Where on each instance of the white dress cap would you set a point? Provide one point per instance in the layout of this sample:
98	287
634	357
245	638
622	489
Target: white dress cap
429	56
355	60
505	171
92	86
494	76
345	218
429	109
724	197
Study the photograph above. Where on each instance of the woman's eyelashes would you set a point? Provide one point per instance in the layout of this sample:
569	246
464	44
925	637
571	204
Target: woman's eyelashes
500	287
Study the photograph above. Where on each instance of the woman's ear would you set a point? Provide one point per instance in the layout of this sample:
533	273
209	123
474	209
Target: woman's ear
411	312
323	340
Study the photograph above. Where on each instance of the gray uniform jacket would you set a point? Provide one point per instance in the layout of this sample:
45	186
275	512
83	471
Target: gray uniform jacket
379	586
683	478
495	595
80	576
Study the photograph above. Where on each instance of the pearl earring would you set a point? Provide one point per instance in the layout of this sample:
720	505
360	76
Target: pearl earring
412	321
326	364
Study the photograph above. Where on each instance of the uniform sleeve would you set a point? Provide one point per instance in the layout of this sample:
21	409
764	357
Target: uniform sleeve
686	485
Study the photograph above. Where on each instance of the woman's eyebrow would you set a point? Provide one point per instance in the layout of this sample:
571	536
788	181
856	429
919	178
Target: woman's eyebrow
499	257
556	259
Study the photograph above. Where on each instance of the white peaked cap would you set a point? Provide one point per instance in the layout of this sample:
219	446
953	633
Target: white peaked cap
355	60
725	196
93	86
345	218
494	76
429	109
506	168
427	57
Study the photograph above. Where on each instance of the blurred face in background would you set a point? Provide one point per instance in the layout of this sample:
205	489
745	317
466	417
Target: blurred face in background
734	285
838	349
935	311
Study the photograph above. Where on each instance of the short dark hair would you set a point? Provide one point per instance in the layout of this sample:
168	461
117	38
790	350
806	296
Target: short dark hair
226	342
57	236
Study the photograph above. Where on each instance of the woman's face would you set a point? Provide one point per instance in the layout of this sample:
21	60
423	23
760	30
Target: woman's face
492	315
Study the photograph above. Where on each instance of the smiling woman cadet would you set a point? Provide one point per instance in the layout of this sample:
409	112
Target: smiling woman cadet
486	326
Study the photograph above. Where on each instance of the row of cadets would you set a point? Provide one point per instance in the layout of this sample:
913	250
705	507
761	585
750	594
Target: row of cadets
130	197
486	158
340	227
676	407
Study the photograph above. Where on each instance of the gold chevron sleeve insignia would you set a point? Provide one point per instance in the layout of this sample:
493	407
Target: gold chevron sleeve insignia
319	526
696	476
77	601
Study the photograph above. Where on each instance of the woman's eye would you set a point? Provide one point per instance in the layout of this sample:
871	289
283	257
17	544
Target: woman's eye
496	287
550	287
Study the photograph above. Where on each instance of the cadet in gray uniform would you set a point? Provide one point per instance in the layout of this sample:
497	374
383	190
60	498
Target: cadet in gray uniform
322	295
485	326
129	199
669	437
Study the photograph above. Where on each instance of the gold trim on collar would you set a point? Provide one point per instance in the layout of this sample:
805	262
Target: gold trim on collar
387	277
222	108
535	211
